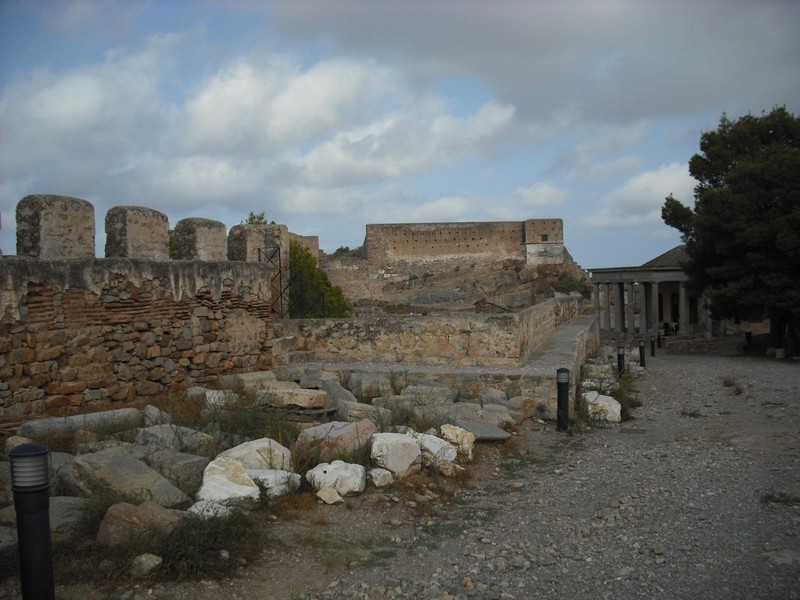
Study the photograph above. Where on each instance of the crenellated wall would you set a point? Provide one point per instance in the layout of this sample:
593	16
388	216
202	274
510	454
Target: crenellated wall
78	332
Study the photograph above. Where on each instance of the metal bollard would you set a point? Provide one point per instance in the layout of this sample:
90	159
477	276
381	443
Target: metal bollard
652	346
620	360
30	483
641	353
562	411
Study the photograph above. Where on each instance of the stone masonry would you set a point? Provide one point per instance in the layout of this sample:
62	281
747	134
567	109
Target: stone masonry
78	332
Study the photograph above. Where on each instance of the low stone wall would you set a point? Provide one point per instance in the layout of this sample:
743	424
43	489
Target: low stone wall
81	333
538	321
456	339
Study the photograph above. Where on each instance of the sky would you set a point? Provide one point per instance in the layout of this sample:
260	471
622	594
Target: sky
329	115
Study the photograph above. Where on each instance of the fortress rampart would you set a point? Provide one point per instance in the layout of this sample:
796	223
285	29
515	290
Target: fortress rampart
77	331
535	241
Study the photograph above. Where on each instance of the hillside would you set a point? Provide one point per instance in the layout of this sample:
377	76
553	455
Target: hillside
438	286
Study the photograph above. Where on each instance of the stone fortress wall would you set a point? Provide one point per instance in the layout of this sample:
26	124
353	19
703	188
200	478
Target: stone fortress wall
535	241
78	332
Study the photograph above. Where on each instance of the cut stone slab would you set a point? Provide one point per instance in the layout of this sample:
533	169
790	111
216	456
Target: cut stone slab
358	411
182	469
225	481
337	437
109	421
248	383
471	417
291	396
178	438
264	453
346	478
396	452
116	471
276	483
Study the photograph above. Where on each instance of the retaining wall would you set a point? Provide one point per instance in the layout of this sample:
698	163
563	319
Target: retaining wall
487	340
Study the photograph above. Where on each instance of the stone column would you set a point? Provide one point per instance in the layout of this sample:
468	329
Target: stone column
620	316
683	311
654	297
631	320
597	305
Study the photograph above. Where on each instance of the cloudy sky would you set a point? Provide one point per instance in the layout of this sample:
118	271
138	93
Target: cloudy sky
330	115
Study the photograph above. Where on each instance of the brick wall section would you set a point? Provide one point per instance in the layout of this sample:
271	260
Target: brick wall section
86	333
504	340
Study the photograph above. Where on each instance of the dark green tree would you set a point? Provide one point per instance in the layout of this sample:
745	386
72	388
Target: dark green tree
743	234
311	294
255	219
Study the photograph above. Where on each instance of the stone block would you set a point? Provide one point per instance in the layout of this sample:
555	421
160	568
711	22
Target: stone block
117	472
346	478
137	232
200	239
51	227
396	452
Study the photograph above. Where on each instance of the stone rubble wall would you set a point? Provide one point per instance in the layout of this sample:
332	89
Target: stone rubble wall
78	332
463	340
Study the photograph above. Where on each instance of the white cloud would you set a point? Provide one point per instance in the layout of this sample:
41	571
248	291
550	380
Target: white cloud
248	107
540	195
639	199
403	143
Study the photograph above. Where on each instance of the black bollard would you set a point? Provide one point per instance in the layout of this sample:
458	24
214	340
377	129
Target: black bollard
30	482
620	360
562	412
641	353
659	339
652	346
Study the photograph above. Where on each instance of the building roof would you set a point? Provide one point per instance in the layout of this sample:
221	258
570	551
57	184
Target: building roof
670	258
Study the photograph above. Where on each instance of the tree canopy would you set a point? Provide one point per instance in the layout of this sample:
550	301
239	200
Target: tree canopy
311	294
743	234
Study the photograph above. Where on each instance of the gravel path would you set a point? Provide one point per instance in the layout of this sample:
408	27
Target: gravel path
697	497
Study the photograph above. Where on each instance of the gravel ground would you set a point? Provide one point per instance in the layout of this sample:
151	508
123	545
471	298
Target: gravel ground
697	497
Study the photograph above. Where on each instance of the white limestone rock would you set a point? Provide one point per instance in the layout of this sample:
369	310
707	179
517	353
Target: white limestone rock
603	408
463	440
434	450
396	452
206	509
225	481
276	483
264	453
380	477
346	478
